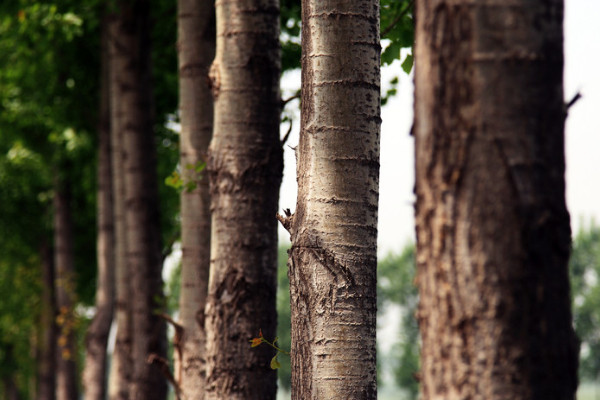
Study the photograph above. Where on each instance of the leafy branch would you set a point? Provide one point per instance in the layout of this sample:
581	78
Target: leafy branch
275	364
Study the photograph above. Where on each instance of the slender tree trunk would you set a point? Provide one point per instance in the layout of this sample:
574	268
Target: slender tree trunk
66	364
46	359
493	230
121	365
94	375
245	168
333	258
143	253
196	44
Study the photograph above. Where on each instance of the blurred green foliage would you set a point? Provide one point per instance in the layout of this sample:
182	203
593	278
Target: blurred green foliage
585	293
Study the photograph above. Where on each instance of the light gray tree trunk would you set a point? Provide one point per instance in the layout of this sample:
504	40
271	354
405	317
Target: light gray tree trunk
493	236
196	49
121	365
95	370
245	168
64	283
333	258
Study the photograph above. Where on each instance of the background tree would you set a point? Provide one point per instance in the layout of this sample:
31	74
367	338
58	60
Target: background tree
245	168
95	370
585	288
493	231
333	257
196	46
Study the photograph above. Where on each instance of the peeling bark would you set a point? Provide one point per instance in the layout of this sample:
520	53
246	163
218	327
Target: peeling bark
493	231
333	258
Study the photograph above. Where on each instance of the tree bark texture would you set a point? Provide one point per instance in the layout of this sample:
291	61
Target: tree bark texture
196	50
46	360
143	251
94	374
333	258
245	169
121	365
64	283
493	232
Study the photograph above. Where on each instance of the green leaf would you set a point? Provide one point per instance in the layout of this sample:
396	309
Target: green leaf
407	64
275	364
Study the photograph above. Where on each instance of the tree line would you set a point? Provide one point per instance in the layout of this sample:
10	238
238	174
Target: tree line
90	92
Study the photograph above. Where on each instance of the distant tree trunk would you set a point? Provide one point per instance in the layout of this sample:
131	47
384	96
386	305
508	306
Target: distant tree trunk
10	391
64	283
143	253
121	364
333	258
196	44
245	168
46	359
94	375
493	232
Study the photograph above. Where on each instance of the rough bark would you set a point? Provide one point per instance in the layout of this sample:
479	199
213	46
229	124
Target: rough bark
94	374
333	258
143	252
121	364
493	230
64	284
46	360
245	169
196	49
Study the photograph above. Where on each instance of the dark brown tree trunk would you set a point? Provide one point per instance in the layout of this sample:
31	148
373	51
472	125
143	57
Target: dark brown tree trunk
64	283
143	253
121	365
95	371
493	230
46	376
196	45
245	168
333	259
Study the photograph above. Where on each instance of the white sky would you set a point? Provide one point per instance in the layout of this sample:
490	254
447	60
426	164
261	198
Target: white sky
582	73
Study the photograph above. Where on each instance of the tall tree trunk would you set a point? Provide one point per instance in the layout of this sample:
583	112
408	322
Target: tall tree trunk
333	258
245	168
143	253
121	364
66	365
94	375
493	230
196	44
46	359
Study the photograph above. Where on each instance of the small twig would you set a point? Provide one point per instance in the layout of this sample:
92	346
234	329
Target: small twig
163	366
294	97
573	100
389	28
176	338
287	220
287	135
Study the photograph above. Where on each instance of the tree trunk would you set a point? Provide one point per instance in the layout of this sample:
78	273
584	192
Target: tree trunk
245	168
333	258
46	359
493	230
143	254
64	283
94	375
196	44
121	363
